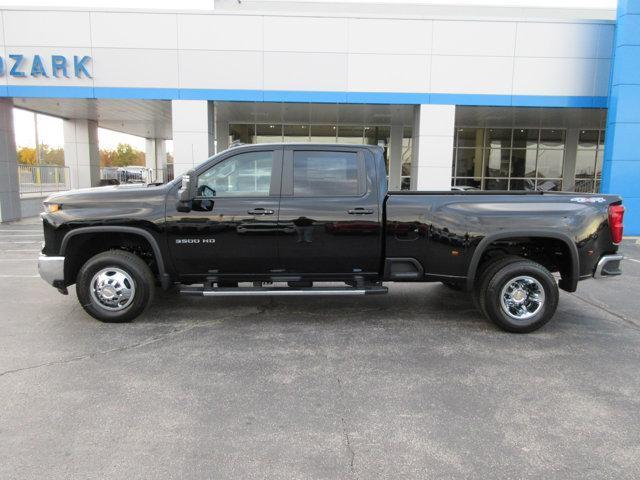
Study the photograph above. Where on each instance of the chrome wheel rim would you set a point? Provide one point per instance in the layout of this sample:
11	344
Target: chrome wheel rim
113	289
522	297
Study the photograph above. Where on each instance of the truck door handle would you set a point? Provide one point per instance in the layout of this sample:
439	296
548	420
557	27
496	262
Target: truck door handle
260	211
360	211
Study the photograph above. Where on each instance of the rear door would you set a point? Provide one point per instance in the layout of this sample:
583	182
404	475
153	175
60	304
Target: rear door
330	218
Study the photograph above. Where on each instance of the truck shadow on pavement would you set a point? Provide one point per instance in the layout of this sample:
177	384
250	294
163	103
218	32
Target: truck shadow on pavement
430	303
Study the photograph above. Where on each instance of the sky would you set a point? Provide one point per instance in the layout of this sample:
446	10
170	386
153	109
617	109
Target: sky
50	128
50	132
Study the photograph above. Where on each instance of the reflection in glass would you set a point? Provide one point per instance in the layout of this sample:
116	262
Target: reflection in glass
470	137
350	134
550	163
499	138
469	162
246	174
497	164
318	174
296	133
589	161
496	184
549	185
523	163
552	139
583	185
585	163
379	136
522	184
244	133
407	151
468	182
268	133
323	133
588	139
525	138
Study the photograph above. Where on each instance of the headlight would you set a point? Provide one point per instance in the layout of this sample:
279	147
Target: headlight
52	207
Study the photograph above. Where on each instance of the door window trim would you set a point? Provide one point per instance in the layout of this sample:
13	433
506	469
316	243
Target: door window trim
288	174
275	182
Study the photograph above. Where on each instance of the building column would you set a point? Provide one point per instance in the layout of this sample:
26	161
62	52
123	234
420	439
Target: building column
161	160
433	147
156	158
9	184
193	133
621	166
395	157
570	155
81	153
150	154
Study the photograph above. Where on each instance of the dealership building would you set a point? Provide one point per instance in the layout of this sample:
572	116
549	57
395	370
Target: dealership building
495	98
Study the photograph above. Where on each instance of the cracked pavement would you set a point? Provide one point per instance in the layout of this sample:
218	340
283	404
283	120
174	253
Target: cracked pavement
414	384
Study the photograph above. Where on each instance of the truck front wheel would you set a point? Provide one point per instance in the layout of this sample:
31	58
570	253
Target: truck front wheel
518	295
115	286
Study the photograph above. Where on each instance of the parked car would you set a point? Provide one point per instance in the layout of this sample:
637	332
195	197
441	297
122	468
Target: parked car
286	218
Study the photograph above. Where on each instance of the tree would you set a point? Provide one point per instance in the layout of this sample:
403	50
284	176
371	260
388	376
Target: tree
48	155
27	156
52	156
123	156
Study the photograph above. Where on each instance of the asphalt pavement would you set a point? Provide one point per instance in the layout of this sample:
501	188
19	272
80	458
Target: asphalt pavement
413	384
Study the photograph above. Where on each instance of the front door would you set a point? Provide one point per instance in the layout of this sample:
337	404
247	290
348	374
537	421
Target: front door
232	228
329	213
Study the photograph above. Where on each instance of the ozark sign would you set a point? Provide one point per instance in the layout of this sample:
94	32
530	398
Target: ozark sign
44	66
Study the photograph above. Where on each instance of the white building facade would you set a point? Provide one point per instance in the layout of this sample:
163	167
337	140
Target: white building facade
491	98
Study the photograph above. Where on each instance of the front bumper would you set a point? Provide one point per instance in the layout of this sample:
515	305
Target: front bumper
51	270
608	266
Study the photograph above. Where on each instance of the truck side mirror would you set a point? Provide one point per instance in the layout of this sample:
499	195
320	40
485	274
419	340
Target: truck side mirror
187	192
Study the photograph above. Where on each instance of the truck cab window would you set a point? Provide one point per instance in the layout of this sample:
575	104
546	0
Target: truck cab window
323	174
243	175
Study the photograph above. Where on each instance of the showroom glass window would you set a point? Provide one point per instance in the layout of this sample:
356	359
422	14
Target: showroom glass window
508	158
332	133
589	161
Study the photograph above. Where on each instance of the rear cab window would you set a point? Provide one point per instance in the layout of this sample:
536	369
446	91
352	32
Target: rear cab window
327	174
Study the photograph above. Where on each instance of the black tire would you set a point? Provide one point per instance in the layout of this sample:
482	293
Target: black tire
487	271
453	286
134	267
500	274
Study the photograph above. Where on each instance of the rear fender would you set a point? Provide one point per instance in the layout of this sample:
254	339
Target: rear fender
569	284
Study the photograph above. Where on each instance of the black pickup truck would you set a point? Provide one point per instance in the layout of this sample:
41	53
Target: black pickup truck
299	219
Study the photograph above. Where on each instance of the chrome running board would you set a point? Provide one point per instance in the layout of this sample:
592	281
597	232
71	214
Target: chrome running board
281	291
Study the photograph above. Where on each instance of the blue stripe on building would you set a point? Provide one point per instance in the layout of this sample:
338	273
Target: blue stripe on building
397	98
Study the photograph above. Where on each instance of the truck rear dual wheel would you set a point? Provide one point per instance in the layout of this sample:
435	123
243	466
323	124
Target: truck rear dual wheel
115	286
518	295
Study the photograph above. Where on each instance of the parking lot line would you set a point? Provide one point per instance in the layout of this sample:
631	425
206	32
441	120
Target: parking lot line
21	235
20	241
19	276
632	259
17	259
